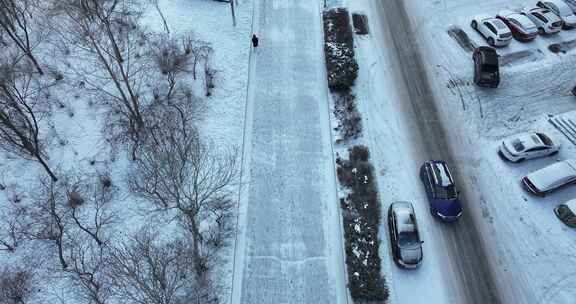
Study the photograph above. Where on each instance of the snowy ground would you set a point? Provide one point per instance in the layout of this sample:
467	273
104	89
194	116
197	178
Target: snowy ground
78	124
290	246
530	251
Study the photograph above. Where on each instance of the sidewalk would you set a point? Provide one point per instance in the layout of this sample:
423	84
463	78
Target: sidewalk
289	247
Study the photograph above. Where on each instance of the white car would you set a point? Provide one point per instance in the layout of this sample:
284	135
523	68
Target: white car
562	10
546	21
493	30
549	178
527	145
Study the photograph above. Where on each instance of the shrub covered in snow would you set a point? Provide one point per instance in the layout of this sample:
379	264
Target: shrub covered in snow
345	111
339	49
361	213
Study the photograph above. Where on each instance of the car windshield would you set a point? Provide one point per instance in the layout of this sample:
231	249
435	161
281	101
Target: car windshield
545	139
447	192
518	145
408	240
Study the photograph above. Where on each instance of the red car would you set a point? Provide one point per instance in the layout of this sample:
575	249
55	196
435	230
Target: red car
522	28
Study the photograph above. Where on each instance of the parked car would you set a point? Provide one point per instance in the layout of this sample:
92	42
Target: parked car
494	30
546	21
441	191
550	178
404	236
522	28
519	147
566	212
562	10
486	72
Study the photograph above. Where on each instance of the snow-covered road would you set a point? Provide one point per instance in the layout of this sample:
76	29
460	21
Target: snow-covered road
436	111
289	248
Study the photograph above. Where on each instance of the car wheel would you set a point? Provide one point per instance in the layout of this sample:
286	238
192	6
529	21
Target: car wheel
554	153
502	155
541	31
520	160
491	41
474	24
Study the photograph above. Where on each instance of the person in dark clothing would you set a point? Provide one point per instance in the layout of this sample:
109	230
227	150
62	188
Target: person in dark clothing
254	40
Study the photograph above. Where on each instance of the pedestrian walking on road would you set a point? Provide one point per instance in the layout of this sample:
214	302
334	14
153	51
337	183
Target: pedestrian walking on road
254	41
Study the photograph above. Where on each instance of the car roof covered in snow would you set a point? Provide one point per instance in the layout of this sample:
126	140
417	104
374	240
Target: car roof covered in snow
404	219
529	140
554	175
520	18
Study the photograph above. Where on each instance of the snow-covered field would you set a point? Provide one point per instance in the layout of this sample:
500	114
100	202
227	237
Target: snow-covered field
79	142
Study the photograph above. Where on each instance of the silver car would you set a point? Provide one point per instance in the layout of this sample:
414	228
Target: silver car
404	236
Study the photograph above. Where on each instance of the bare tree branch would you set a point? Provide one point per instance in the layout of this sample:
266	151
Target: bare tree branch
23	105
15	21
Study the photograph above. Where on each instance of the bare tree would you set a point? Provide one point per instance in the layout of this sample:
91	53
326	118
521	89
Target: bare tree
49	220
156	5
177	171
89	202
15	286
107	33
15	21
24	102
87	271
145	271
13	226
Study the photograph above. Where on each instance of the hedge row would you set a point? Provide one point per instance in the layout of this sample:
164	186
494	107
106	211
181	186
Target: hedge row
361	214
341	65
346	112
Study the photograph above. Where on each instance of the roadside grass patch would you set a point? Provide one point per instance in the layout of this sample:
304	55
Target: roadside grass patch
341	65
361	217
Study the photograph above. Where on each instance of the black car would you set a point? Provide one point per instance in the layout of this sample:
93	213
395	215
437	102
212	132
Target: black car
486	72
441	190
404	236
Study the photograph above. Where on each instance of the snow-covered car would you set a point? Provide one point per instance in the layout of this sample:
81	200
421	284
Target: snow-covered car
519	147
545	20
562	10
440	190
404	236
566	212
550	178
493	30
522	27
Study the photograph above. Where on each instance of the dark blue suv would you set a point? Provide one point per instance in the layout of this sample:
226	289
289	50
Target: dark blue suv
441	191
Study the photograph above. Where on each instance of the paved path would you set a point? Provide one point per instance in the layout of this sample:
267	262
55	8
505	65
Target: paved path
289	248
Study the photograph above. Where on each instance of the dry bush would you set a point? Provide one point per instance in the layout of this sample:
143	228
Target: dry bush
15	286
